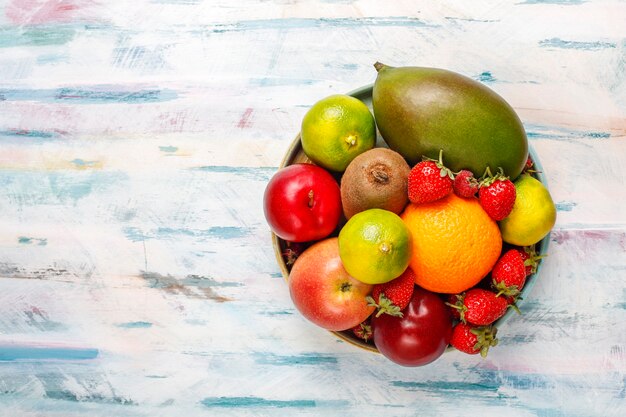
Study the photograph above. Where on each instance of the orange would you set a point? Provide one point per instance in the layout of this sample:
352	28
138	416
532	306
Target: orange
455	243
336	130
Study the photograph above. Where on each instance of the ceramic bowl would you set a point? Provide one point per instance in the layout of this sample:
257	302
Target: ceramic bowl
295	154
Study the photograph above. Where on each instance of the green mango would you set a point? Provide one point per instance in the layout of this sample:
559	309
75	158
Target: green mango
420	111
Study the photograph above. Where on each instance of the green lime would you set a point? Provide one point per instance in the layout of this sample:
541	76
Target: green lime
375	246
336	130
533	214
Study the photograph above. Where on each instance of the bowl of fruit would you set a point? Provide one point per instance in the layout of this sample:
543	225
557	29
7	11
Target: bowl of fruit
411	216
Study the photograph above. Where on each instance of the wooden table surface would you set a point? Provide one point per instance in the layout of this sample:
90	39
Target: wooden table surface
137	276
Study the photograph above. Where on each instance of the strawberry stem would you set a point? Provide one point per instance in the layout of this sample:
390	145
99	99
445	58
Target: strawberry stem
459	306
485	338
384	306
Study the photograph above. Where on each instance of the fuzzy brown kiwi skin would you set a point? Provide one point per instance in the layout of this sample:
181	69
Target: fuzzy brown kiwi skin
375	179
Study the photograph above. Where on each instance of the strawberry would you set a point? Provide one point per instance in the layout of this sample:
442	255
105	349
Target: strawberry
473	339
364	331
496	195
509	273
292	251
531	259
393	296
480	307
529	167
452	300
529	164
465	185
429	181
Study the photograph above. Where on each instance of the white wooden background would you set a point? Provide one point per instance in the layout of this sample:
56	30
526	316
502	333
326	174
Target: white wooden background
137	276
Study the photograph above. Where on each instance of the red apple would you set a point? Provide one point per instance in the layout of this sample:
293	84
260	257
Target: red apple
324	292
302	202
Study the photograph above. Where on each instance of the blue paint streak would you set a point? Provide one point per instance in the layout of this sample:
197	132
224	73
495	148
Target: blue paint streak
598	135
55	187
585	46
52	59
40	35
276	275
29	134
534	131
277	313
517	339
134	234
255	173
256	402
309	23
168	149
24	240
206	282
488	384
304	359
108	96
99	94
135	325
622	305
157	280
439	386
565	206
18	353
218	232
486	77
55	389
83	164
465	19
280	81
148	60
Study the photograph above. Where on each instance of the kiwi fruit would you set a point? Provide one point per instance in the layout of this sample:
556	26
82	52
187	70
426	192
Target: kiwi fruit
375	179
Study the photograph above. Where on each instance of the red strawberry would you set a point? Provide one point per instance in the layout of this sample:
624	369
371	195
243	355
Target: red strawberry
531	259
292	251
465	185
473	339
509	274
429	181
480	307
393	296
497	195
529	166
529	163
452	302
363	331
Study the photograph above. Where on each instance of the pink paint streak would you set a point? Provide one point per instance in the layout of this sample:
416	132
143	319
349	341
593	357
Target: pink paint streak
37	12
172	121
561	236
245	120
